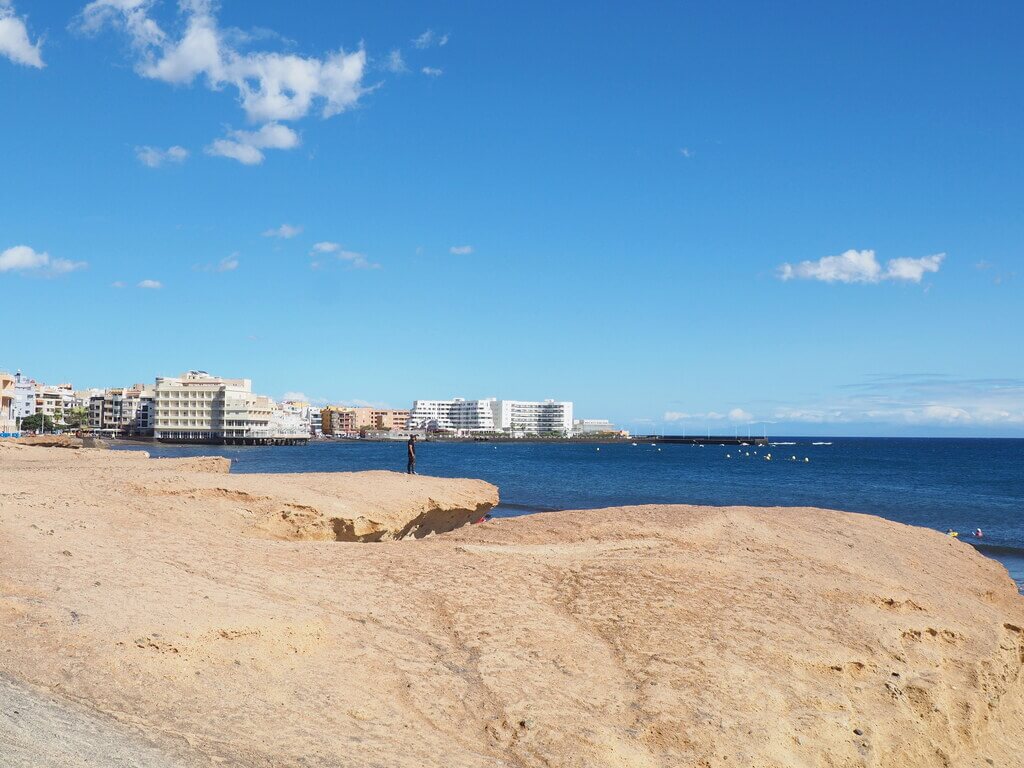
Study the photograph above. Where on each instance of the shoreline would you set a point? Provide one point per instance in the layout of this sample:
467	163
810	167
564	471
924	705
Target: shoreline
197	601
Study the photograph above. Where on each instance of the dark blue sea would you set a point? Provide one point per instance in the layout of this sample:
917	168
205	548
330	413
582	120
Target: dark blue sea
959	484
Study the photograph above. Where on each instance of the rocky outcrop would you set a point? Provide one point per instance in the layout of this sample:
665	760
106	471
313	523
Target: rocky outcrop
59	441
174	606
349	506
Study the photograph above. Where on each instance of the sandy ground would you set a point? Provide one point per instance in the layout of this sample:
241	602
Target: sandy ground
40	731
164	613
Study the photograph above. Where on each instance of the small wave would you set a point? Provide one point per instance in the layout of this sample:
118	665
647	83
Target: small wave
821	443
782	443
526	507
996	549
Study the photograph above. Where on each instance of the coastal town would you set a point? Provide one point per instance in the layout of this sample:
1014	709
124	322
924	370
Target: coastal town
197	407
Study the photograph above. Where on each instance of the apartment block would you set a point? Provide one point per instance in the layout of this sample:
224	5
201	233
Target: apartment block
54	402
24	396
8	424
345	421
514	417
128	411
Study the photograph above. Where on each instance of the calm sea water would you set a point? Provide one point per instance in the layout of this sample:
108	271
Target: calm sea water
935	483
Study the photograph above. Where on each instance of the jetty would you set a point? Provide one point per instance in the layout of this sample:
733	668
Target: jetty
702	440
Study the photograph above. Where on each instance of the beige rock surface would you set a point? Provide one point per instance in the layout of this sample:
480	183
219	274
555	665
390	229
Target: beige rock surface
173	611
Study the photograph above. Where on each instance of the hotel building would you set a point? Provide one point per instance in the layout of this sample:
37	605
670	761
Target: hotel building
514	417
198	407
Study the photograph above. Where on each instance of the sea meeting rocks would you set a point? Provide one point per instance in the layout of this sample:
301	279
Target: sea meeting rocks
164	613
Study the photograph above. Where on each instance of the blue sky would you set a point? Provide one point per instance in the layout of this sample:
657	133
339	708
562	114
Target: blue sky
681	216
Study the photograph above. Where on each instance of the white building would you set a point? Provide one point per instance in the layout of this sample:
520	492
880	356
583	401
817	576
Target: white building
128	411
290	420
24	396
54	402
514	417
593	427
198	407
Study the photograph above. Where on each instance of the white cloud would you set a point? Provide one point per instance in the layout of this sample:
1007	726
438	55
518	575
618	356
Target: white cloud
14	40
357	260
686	152
150	284
353	259
227	264
300	396
285	232
154	157
432	71
736	414
854	266
680	416
913	269
461	250
117	284
271	86
929	400
247	146
22	258
429	39
395	63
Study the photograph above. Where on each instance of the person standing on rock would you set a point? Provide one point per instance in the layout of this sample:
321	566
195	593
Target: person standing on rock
410	468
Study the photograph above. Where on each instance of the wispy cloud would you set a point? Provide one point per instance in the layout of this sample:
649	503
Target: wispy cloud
429	39
432	71
737	415
154	157
247	146
271	86
15	43
394	62
150	284
915	399
227	264
284	232
854	266
353	259
357	260
998	276
686	152
461	250
295	396
26	260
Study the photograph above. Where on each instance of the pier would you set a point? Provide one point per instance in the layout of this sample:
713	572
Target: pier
235	441
702	440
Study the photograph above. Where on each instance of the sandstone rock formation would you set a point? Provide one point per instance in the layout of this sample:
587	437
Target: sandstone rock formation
181	616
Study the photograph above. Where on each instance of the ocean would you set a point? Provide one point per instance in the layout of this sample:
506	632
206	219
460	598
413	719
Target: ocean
958	484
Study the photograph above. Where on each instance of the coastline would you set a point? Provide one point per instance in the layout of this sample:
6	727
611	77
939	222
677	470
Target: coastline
952	484
656	634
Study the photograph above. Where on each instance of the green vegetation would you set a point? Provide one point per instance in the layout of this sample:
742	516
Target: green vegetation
77	418
37	422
